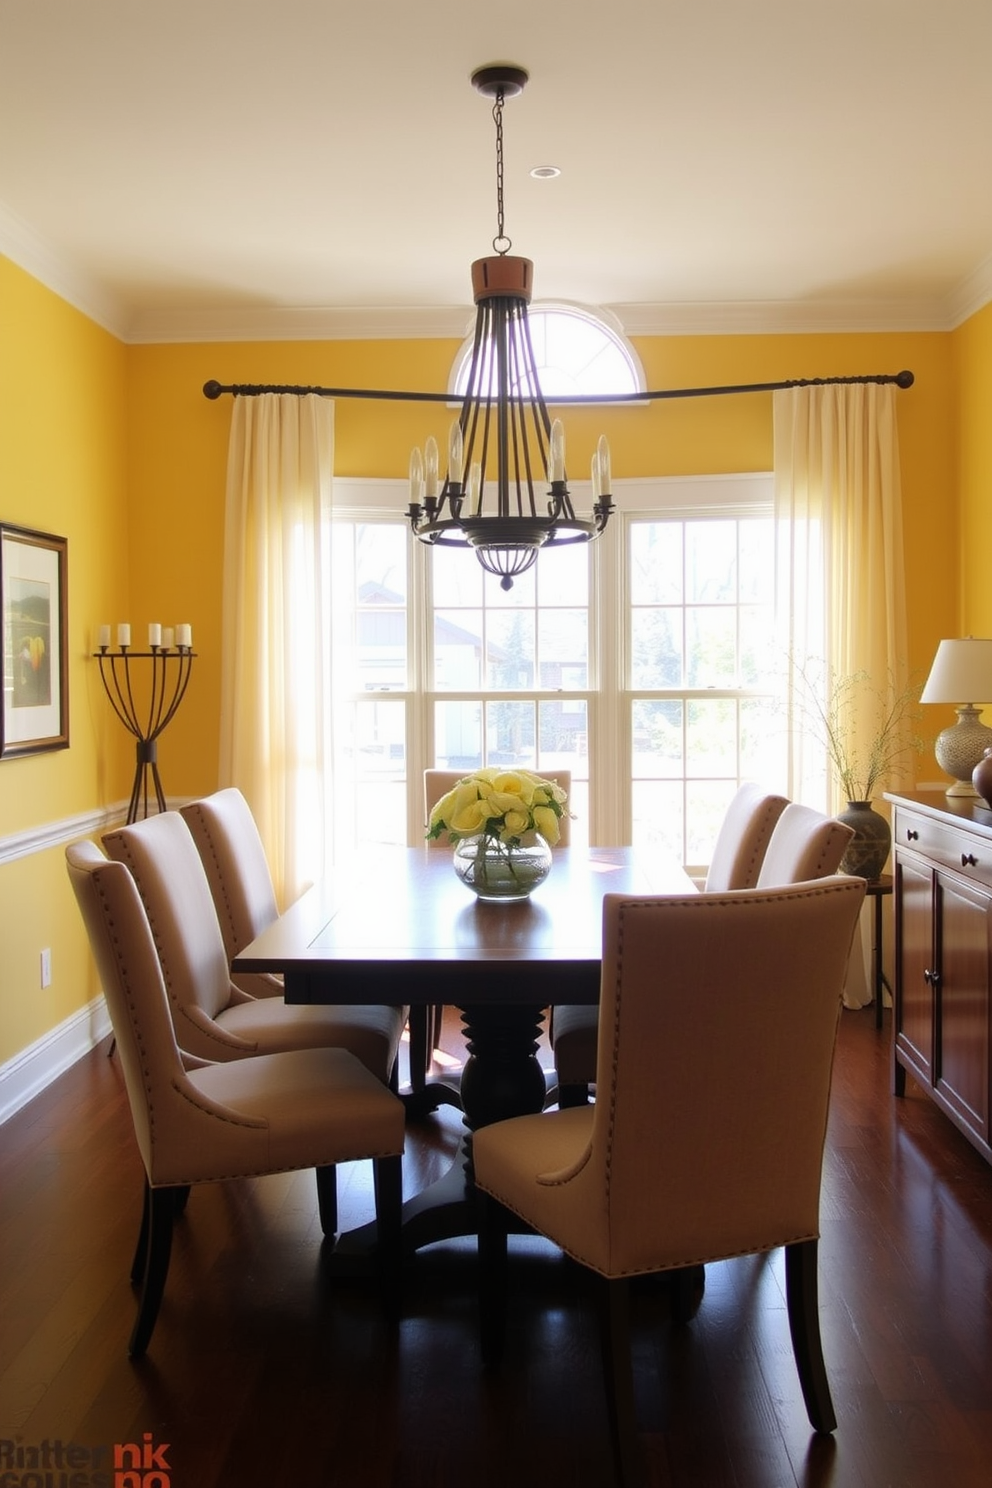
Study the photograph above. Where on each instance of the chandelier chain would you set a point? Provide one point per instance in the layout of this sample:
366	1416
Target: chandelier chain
501	243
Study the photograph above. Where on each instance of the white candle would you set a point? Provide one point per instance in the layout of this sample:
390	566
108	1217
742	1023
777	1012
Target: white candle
168	638
123	635
154	635
455	453
416	477
475	488
556	458
430	467
103	637
184	635
605	470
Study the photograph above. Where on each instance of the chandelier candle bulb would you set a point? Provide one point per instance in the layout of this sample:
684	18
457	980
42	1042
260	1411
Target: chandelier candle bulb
475	488
597	489
168	637
605	471
455	453
184	635
416	477
430	468
154	636
556	460
103	637
123	635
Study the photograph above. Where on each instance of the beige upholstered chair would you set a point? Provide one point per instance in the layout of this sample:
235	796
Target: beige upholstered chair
237	870
212	1017
738	853
197	1122
743	838
707	1139
425	1025
805	844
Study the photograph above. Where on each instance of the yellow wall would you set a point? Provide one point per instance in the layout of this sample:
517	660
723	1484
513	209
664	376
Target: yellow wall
178	451
117	448
62	463
973	346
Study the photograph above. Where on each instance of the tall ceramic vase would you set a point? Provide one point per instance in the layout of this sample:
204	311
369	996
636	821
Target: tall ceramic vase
869	847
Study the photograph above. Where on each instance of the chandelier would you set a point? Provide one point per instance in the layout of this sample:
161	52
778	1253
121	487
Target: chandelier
504	440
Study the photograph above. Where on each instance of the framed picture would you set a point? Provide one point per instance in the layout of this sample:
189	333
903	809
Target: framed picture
33	661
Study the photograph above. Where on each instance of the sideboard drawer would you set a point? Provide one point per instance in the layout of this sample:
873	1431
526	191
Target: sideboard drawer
948	846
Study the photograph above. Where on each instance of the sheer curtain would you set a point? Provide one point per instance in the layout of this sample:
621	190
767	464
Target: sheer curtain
840	581
275	665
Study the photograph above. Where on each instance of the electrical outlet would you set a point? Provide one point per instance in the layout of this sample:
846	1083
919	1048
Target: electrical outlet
46	967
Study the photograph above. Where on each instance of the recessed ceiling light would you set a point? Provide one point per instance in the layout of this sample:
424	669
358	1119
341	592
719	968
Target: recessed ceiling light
545	172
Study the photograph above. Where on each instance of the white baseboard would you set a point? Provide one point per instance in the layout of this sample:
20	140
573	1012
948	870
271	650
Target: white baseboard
35	1067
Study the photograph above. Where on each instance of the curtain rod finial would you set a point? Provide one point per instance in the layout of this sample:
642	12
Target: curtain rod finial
905	379
212	389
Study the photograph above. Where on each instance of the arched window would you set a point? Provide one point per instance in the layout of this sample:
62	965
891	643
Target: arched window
576	352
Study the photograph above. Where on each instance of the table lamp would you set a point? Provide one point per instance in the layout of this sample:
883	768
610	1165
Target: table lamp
961	669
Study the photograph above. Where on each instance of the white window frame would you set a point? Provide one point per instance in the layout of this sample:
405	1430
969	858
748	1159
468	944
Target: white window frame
610	699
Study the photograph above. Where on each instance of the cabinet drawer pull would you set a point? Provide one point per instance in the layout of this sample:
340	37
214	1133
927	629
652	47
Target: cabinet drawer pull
968	860
931	978
912	835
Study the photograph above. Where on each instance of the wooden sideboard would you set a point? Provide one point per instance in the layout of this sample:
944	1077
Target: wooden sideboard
943	955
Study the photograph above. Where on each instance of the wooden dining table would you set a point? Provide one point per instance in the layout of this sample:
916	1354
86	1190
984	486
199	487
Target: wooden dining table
395	925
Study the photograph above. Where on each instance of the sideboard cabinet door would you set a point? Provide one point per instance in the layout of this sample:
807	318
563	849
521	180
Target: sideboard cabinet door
961	1067
915	960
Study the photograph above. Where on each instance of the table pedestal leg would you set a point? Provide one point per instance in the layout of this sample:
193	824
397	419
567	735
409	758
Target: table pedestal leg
501	1078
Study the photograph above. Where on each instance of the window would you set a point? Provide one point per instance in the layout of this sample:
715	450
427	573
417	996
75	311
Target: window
643	663
637	662
576	353
511	669
704	713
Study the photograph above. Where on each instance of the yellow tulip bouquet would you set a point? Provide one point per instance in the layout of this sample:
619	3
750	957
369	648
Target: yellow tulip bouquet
500	816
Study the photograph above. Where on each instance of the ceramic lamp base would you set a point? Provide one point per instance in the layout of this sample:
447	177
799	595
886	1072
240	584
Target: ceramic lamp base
960	747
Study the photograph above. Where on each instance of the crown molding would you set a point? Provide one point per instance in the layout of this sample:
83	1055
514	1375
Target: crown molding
150	326
972	294
755	318
23	246
784	317
301	323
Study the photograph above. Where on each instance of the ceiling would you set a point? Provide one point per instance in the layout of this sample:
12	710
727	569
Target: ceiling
246	167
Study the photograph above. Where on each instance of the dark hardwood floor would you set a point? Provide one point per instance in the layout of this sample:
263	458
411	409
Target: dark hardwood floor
265	1372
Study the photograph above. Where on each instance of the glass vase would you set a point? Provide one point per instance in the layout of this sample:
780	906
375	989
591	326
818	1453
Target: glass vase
494	870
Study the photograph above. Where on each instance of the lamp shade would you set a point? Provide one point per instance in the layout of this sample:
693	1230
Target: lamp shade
961	673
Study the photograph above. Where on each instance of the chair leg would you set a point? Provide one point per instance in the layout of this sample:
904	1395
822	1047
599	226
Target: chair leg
140	1257
492	1219
572	1095
421	1025
801	1296
687	1287
388	1179
160	1213
618	1371
327	1199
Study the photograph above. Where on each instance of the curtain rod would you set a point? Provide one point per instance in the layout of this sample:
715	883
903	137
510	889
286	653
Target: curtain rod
253	390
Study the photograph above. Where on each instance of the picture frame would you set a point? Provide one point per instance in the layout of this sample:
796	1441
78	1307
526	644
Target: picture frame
34	676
